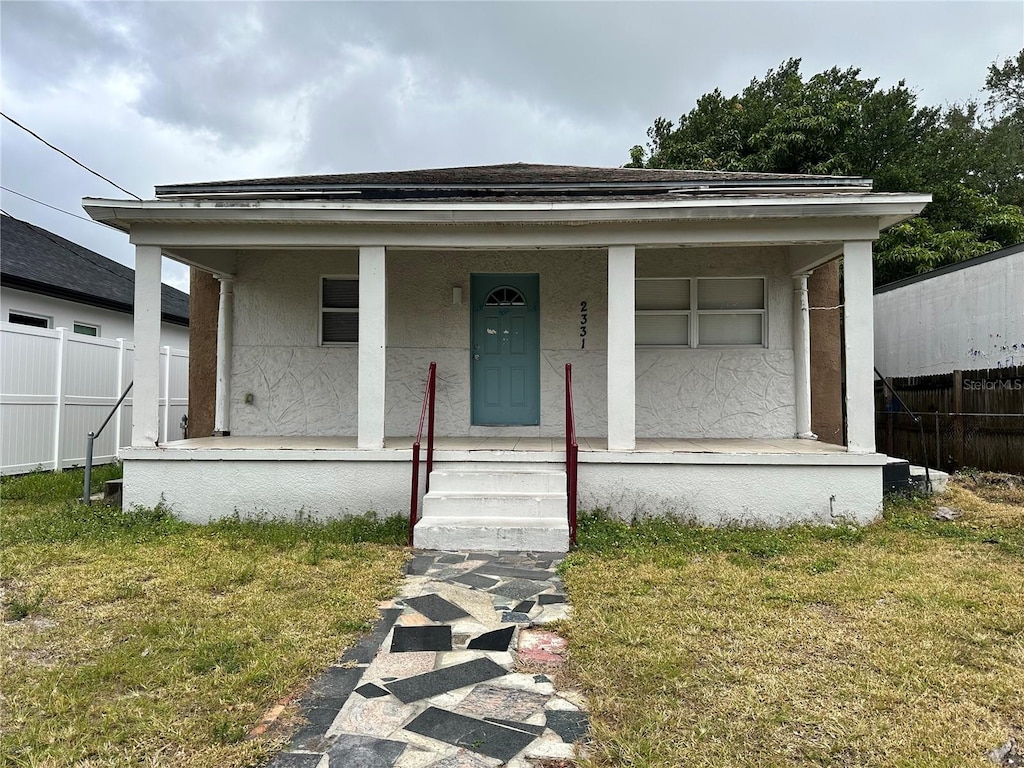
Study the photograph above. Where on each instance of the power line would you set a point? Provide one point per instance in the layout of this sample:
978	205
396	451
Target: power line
55	208
69	157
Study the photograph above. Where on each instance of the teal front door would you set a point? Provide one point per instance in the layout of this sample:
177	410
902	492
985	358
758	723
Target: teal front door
505	349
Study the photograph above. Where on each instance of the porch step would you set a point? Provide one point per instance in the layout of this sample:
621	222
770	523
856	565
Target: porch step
493	506
511	534
498	480
499	504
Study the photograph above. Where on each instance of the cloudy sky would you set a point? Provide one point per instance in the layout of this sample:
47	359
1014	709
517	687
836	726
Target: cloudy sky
154	93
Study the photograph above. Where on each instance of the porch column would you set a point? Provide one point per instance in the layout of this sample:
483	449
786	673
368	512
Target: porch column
858	318
802	357
372	317
146	364
621	348
225	344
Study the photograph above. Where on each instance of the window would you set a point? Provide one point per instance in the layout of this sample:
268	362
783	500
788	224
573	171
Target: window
663	311
700	312
505	297
23	318
86	329
339	310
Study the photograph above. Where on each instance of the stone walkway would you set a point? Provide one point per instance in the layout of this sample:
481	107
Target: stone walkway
458	673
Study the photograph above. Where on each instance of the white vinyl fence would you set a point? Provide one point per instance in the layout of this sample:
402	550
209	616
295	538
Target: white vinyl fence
57	386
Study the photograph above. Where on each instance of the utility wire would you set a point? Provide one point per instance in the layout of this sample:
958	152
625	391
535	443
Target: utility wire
69	157
60	210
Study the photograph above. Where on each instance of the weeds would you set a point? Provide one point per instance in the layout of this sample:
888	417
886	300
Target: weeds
19	607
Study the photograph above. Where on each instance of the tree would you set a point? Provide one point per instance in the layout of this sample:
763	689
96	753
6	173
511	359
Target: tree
839	123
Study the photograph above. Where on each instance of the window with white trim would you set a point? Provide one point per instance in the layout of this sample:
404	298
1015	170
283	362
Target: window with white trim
663	311
87	329
339	310
27	318
701	312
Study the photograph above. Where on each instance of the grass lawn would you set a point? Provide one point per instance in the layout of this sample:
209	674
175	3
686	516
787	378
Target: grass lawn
135	639
898	644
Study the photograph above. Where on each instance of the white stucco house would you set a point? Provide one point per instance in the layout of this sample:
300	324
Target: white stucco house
678	298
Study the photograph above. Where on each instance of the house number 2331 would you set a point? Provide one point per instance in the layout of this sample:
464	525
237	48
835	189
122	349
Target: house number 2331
583	325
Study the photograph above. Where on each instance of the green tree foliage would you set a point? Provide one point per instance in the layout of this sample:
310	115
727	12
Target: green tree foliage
839	123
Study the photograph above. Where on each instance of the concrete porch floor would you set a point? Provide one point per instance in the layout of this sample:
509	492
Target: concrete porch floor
524	444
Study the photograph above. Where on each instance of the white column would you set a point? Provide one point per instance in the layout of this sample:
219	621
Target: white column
621	348
372	324
146	363
858	328
225	345
802	357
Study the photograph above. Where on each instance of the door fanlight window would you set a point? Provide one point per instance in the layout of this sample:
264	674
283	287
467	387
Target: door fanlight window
505	296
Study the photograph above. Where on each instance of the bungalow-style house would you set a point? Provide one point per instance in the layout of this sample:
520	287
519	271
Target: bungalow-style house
678	298
47	281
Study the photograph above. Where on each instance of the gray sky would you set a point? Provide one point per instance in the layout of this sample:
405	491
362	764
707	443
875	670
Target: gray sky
154	93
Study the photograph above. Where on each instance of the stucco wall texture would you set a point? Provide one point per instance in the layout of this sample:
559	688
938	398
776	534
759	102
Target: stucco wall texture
299	387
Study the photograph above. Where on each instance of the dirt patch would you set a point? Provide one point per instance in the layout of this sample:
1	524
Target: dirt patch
996	487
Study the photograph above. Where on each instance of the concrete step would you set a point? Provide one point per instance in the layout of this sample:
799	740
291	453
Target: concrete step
498	479
488	506
512	534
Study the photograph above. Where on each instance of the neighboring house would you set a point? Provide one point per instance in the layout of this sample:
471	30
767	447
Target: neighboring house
965	316
47	281
678	297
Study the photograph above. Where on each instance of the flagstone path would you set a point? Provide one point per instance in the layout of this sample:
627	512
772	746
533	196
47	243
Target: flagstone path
458	673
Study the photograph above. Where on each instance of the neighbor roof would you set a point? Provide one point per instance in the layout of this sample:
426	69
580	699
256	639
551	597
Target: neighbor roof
517	180
39	261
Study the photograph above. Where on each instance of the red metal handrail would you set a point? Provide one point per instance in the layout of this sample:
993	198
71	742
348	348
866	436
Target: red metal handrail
572	451
426	412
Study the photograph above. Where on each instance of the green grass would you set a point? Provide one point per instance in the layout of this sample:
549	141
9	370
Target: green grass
134	638
46	487
896	644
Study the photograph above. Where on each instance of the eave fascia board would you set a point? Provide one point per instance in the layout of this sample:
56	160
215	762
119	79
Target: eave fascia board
176	238
122	213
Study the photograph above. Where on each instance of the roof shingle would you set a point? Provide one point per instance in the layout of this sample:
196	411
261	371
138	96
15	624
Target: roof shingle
37	260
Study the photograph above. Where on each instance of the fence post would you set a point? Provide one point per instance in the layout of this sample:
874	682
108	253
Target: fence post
58	420
958	418
165	374
118	388
889	418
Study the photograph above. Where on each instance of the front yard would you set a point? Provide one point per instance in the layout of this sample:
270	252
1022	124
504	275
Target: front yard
137	639
134	639
900	644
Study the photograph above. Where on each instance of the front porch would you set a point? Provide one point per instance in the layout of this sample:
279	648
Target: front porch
709	481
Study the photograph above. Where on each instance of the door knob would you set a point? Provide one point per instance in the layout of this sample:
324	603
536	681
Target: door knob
476	357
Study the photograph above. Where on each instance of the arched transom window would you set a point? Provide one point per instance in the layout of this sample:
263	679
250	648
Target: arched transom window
505	296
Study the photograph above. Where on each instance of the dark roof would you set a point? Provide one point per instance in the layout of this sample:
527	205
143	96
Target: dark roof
512	180
971	262
33	259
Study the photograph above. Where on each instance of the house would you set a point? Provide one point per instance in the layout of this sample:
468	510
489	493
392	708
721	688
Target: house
964	316
47	281
678	298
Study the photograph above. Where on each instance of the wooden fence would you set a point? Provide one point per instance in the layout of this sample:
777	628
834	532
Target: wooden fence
968	418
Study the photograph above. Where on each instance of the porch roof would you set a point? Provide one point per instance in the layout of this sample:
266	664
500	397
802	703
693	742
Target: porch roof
508	179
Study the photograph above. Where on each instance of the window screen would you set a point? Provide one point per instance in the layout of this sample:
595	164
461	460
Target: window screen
687	312
339	310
